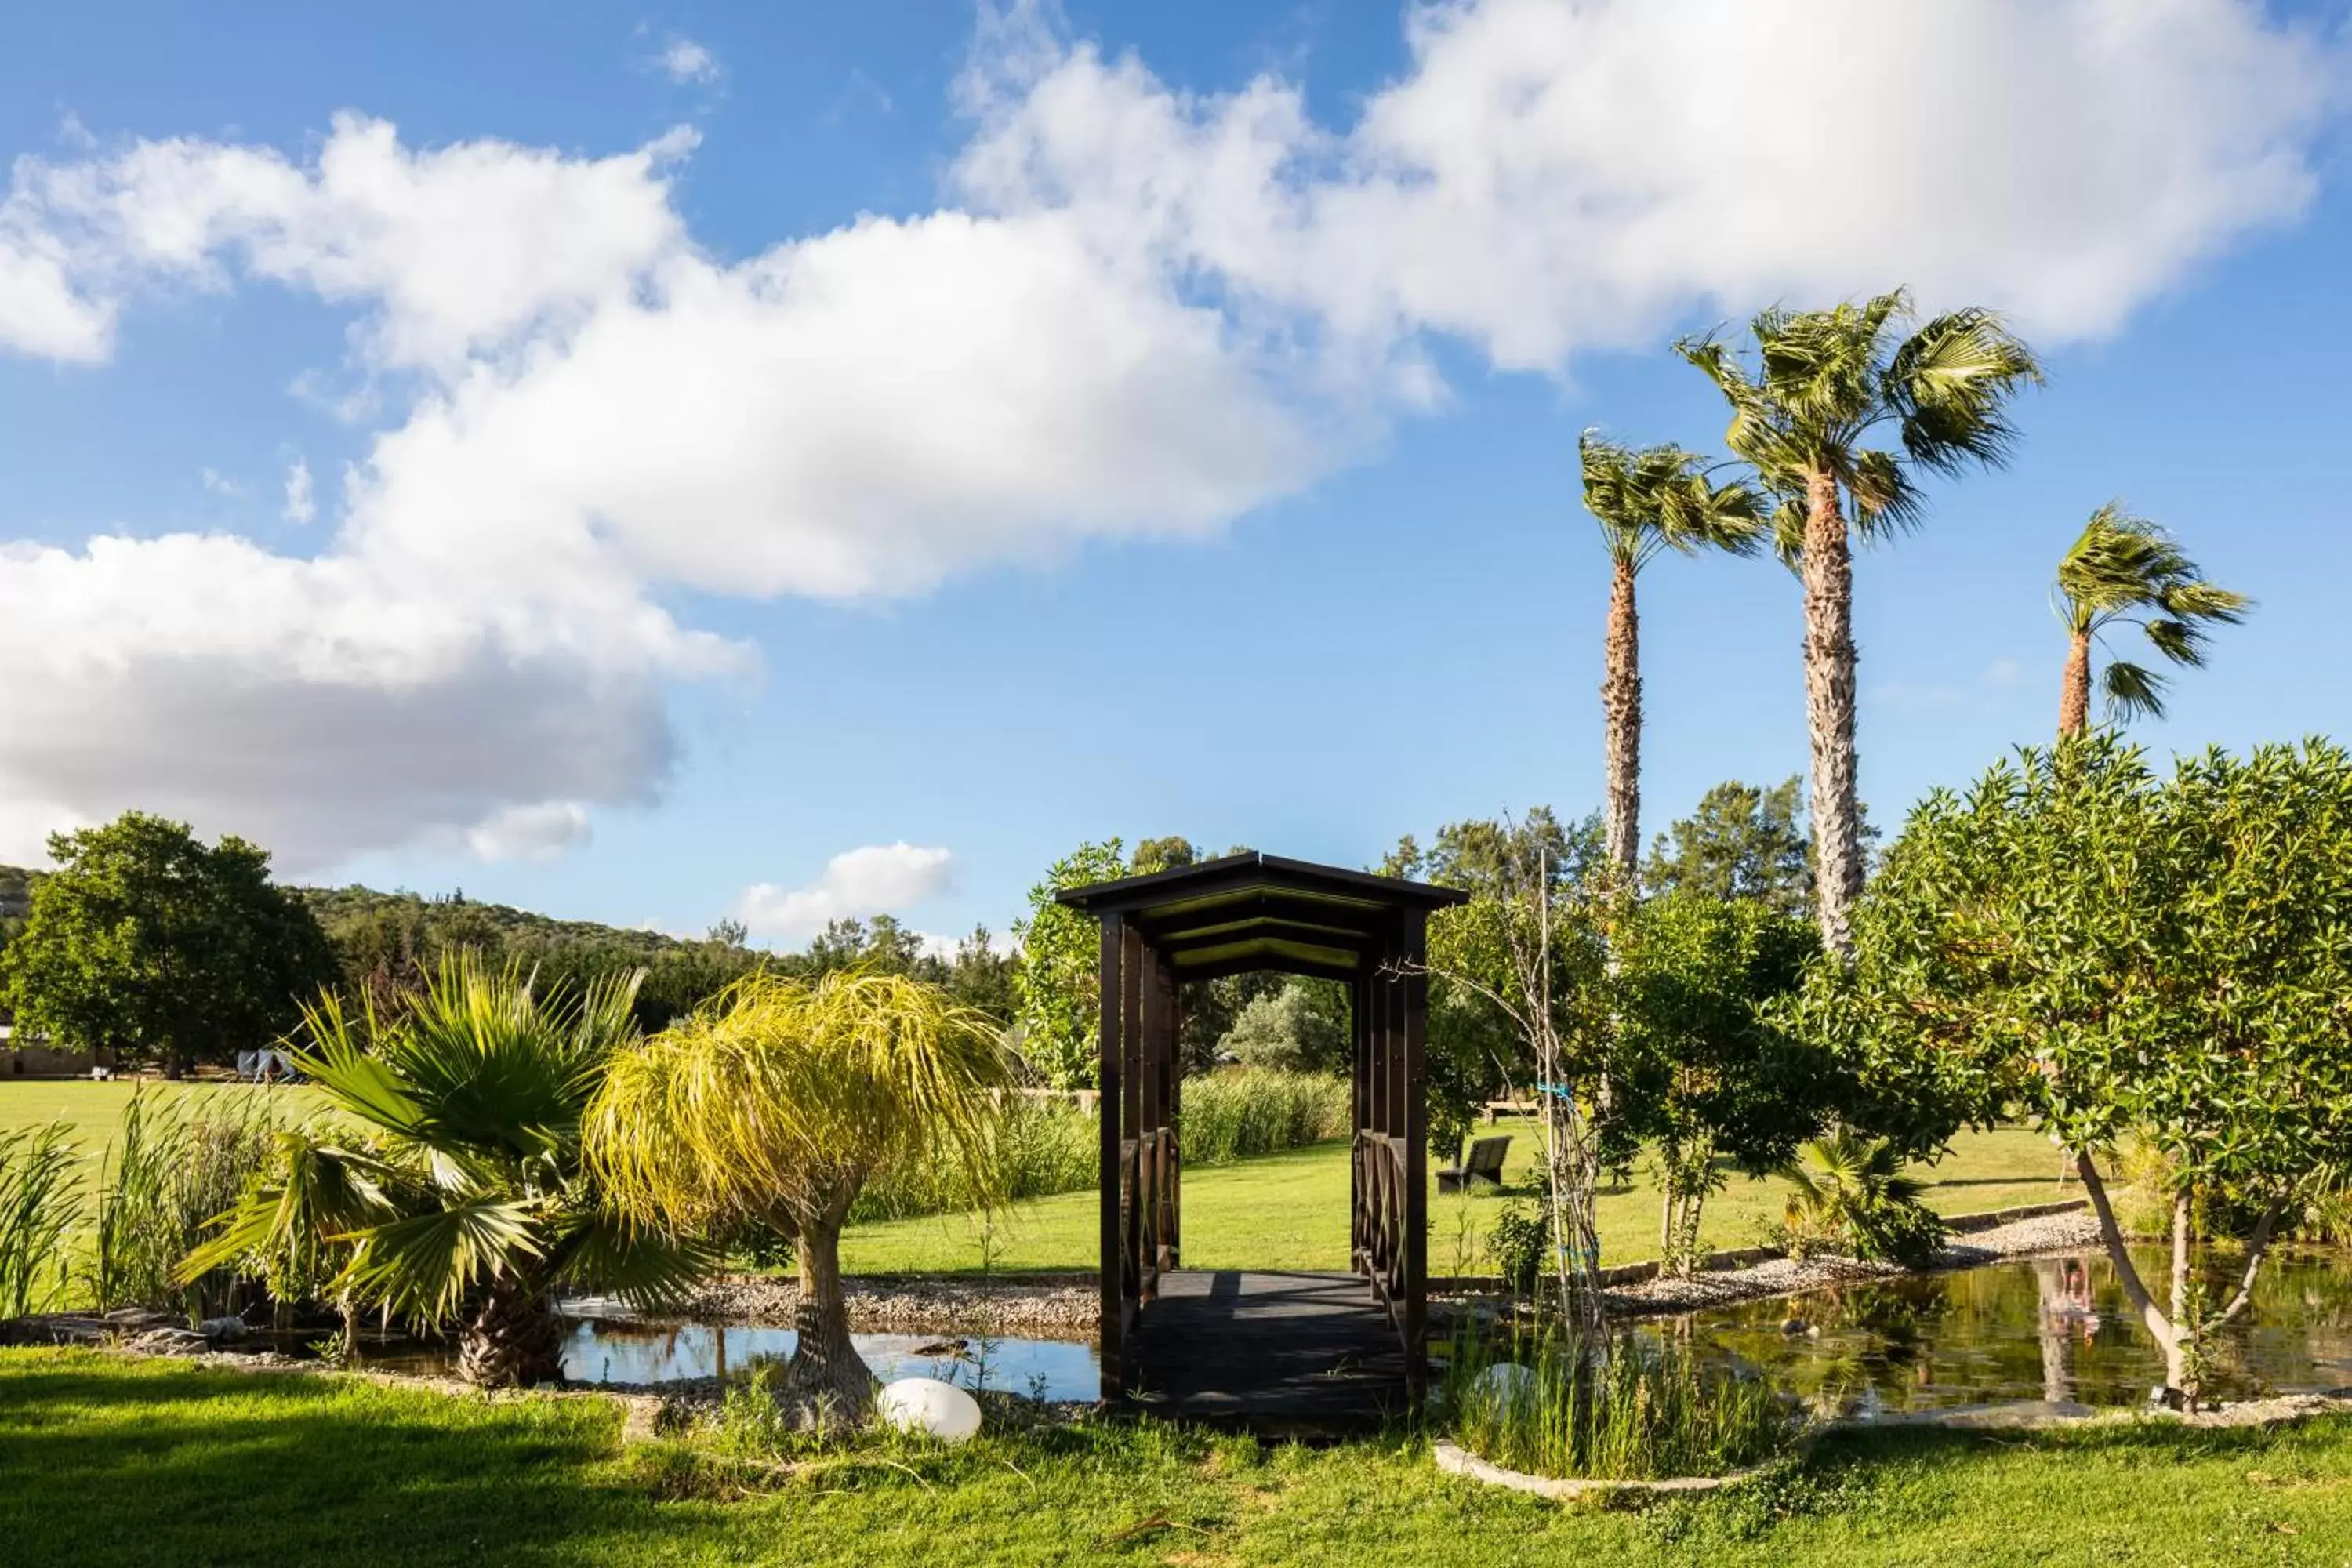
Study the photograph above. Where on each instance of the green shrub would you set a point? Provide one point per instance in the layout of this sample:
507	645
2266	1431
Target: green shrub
1849	1194
1233	1115
1645	1410
1519	1242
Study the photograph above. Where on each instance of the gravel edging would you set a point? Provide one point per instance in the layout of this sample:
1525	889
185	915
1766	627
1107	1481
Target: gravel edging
1791	1277
1059	1307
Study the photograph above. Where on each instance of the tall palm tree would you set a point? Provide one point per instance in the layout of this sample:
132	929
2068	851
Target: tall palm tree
455	1188
1824	384
1646	500
777	1103
2125	570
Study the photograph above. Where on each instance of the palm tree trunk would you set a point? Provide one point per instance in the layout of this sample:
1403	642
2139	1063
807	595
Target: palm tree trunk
1621	706
827	1381
1828	573
2074	697
512	1339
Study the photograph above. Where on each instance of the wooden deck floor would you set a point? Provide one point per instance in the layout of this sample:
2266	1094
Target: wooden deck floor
1271	1352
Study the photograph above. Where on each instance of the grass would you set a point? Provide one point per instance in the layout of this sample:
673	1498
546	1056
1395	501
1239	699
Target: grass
130	1463
93	1112
1290	1210
1278	1211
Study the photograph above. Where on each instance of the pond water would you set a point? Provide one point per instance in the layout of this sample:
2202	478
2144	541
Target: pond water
630	1350
2055	1328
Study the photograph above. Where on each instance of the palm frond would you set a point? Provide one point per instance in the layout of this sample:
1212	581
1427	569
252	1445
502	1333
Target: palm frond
783	1094
318	1193
1948	384
1664	497
426	1264
2133	691
654	1270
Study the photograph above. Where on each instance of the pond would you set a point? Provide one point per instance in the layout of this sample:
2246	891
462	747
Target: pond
2055	1328
631	1351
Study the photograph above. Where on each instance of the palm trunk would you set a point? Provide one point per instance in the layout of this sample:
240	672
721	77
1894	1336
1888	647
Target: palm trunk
1621	706
2074	696
513	1339
827	1381
1828	571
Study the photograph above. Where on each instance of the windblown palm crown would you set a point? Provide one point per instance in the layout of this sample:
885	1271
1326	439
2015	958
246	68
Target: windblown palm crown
1823	388
2125	571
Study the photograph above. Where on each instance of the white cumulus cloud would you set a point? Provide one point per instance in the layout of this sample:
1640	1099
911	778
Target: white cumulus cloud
857	884
1141	313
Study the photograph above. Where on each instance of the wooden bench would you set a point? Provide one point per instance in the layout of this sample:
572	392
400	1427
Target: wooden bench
1485	1165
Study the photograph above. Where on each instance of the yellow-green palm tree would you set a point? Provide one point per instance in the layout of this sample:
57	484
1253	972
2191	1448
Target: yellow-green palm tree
1646	500
2125	571
1825	385
778	1103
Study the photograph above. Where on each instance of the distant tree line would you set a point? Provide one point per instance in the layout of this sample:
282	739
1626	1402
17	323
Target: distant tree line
170	952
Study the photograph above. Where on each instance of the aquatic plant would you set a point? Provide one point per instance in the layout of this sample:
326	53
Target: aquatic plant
1635	1408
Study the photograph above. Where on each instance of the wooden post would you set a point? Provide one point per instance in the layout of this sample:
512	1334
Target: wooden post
1360	1037
1415	1008
1107	1107
1135	1066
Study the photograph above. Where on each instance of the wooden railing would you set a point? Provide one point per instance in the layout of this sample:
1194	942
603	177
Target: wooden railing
1148	1175
1380	1219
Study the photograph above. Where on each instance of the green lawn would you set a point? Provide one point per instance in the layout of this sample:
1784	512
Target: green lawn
93	1111
1283	1211
1290	1210
105	1461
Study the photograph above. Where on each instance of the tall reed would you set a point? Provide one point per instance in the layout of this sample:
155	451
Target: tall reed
1645	1410
1038	1147
170	1173
1235	1115
37	1206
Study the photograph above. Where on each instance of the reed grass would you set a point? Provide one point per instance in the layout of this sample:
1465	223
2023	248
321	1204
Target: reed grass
168	1176
1646	1409
1246	1111
38	1205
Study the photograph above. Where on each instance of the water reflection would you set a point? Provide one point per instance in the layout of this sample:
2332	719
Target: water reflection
2054	1328
606	1350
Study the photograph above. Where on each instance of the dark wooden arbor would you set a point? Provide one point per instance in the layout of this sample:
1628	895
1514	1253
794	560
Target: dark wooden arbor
1258	1345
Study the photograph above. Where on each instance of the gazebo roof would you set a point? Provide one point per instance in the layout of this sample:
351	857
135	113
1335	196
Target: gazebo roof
1254	911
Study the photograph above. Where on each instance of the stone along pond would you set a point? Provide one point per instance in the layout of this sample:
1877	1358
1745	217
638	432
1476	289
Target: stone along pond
2055	1328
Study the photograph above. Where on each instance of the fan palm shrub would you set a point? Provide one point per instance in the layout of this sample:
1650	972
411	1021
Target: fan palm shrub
1823	388
1849	1189
778	1103
454	1189
1647	501
2125	571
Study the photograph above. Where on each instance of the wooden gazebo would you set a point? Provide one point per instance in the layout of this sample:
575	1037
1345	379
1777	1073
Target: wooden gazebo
1261	1347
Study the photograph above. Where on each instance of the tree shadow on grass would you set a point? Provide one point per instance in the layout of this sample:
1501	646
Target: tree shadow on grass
105	1465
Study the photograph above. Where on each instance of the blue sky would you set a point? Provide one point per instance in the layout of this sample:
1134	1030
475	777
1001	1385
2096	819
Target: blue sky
1183	443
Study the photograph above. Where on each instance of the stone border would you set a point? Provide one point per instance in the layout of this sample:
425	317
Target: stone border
1454	1459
